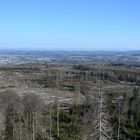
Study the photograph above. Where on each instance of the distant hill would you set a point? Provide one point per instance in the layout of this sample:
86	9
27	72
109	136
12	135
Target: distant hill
124	57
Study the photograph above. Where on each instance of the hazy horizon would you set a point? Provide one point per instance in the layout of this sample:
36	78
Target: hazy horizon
70	50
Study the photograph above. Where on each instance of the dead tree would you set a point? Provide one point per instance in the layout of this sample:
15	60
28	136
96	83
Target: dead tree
77	93
101	127
50	125
14	115
119	121
32	113
57	116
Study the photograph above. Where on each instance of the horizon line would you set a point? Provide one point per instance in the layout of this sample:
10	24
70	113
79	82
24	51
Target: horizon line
64	50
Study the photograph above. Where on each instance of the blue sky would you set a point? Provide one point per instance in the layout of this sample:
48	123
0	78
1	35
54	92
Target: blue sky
70	24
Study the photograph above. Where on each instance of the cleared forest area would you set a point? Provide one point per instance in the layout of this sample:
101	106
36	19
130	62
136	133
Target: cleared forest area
69	102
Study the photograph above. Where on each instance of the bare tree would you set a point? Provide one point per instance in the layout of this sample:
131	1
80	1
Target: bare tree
100	127
32	113
119	119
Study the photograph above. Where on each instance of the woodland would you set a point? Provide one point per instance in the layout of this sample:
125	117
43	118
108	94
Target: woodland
69	102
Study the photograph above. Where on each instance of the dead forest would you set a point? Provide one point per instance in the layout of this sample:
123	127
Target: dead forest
41	101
